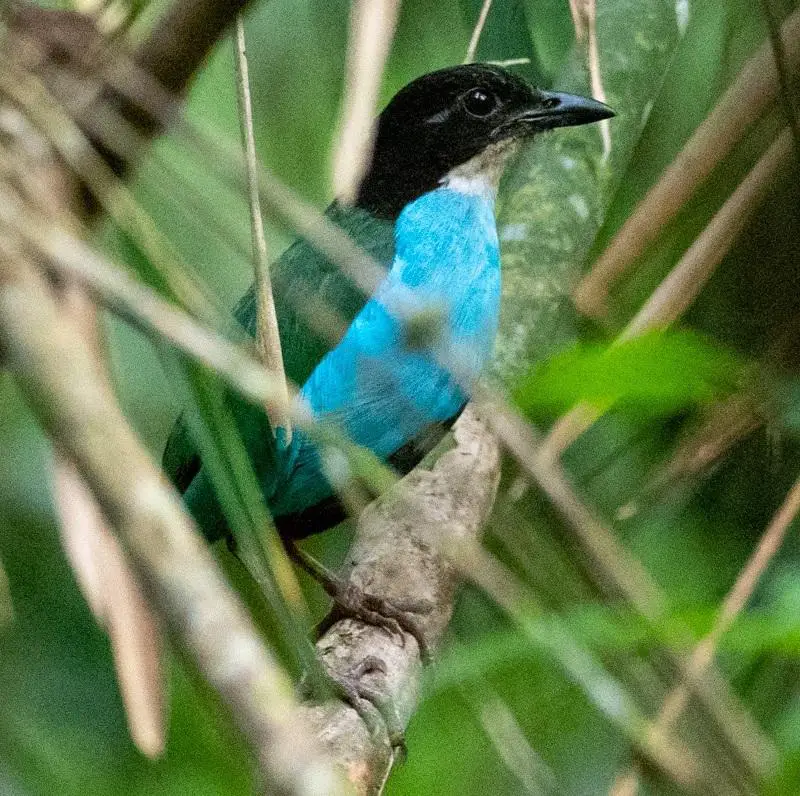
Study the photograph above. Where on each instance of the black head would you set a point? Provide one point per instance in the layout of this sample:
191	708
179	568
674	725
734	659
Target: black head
445	118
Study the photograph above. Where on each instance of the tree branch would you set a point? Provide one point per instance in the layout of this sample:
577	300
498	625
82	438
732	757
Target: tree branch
399	554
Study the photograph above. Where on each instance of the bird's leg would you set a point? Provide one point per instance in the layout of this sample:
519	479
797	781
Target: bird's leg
353	603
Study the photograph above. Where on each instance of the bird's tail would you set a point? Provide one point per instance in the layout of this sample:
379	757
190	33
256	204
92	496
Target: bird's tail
268	453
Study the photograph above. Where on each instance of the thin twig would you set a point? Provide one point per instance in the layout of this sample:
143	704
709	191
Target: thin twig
725	424
584	19
682	285
510	743
118	603
143	306
187	195
45	113
626	784
735	601
472	49
784	77
746	99
169	54
287	207
268	341
703	654
112	286
622	573
685	281
115	598
601	687
372	26
101	570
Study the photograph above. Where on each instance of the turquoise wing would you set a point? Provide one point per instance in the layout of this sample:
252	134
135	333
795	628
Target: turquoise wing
303	281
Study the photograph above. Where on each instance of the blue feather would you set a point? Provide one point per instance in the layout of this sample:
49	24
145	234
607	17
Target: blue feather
379	388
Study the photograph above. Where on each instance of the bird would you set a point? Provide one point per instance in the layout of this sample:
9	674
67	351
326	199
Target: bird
402	371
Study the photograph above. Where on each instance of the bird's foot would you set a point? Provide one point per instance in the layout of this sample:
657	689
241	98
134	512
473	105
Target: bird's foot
371	703
354	686
397	617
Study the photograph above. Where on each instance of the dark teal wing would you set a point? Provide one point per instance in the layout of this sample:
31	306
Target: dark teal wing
307	285
307	289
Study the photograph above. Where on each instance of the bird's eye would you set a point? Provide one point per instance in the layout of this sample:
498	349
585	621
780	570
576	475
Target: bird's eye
480	102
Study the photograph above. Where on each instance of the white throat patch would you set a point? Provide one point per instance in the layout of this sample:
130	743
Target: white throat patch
481	175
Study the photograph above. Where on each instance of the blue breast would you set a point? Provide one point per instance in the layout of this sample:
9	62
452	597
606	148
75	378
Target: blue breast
384	386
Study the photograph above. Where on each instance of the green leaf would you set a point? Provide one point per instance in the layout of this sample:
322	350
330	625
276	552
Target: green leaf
656	374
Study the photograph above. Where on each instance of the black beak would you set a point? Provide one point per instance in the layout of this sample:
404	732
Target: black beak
560	110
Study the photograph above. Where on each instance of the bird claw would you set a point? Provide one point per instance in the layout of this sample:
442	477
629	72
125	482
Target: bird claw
352	602
396	617
373	705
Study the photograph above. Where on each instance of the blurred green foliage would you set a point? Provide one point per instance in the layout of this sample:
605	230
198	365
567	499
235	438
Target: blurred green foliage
656	374
62	728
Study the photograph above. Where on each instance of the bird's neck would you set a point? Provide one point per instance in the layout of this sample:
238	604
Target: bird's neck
393	183
481	175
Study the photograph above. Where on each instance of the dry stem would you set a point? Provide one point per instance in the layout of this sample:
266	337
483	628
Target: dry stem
472	48
584	19
685	281
619	573
59	378
703	654
372	25
268	341
755	88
